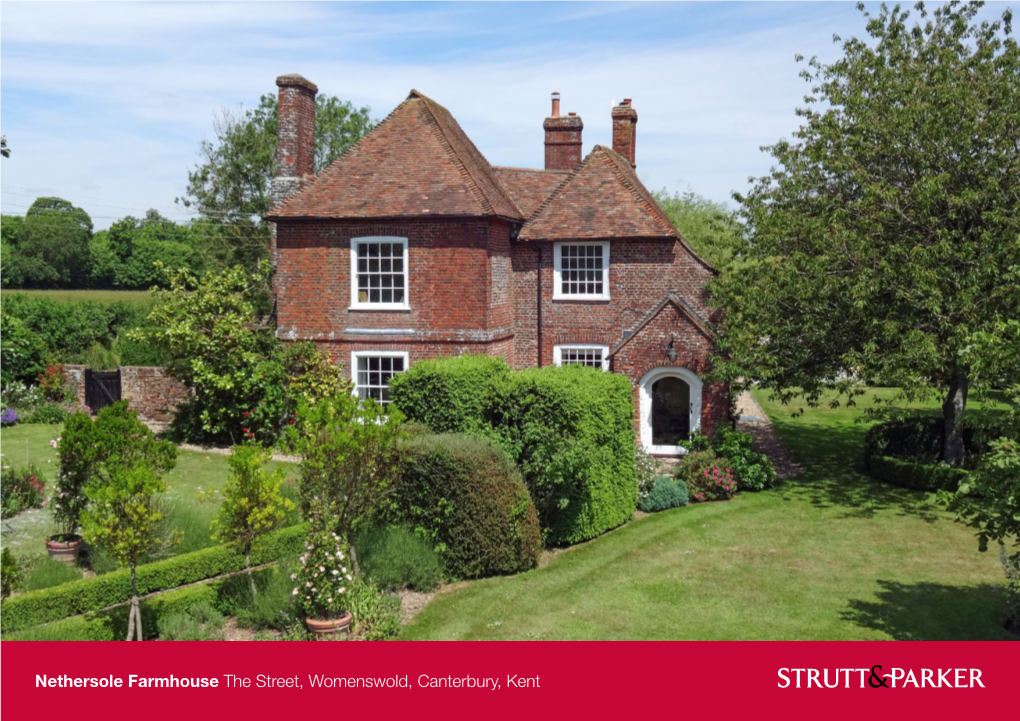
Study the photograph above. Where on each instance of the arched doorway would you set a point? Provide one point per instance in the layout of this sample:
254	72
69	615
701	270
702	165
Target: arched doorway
670	409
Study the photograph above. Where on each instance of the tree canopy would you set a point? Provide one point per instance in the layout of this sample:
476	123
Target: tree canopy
49	248
231	185
711	229
887	234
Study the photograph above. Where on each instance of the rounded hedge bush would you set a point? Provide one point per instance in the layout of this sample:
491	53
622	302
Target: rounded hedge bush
665	494
464	496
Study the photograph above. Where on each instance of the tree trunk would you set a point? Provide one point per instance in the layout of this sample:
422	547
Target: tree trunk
134	615
952	415
131	621
354	560
247	567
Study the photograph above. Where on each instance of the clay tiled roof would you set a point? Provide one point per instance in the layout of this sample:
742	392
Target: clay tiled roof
529	187
602	198
417	161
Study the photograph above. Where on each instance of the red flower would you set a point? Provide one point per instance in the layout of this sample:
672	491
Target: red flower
291	421
245	430
251	435
246	414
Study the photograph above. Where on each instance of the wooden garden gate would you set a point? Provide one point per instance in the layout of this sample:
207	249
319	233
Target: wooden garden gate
102	388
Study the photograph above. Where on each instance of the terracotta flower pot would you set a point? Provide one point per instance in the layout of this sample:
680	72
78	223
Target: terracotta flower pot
64	548
323	628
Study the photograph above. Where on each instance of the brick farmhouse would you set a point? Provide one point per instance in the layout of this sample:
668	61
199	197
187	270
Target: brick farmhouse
412	246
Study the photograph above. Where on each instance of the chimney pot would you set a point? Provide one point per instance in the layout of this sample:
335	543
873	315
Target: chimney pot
555	104
573	115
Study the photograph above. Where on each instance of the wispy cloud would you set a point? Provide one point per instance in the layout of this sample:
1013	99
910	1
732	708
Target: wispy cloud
109	101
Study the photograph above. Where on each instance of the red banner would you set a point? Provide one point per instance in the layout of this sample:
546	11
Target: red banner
527	680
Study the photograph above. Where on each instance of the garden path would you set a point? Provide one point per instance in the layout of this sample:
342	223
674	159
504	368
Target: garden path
752	419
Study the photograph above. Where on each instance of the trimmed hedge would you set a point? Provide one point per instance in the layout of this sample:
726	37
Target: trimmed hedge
570	429
463	495
91	594
111	624
917	476
447	395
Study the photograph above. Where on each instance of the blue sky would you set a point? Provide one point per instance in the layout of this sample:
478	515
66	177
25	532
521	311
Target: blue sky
104	104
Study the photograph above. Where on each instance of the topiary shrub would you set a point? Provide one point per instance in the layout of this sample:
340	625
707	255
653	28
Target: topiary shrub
393	557
917	476
570	430
463	495
447	395
665	494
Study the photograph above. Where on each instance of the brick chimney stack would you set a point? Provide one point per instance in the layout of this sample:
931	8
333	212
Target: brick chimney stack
295	135
625	130
562	138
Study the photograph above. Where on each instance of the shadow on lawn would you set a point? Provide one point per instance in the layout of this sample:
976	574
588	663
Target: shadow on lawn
833	474
933	612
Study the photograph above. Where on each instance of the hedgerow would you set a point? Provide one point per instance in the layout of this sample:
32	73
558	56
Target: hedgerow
570	430
447	395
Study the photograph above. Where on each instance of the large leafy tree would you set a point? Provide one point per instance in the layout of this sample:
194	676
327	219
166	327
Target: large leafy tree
711	229
887	234
52	248
230	187
128	254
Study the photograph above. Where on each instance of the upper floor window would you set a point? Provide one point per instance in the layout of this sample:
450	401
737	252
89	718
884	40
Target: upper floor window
585	354
582	271
379	273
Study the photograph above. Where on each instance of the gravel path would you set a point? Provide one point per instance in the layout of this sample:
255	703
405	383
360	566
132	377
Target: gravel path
752	419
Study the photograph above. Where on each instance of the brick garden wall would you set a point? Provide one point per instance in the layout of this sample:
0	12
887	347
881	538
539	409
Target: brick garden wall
148	390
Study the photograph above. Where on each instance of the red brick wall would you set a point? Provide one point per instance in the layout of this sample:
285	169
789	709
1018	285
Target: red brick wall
148	390
647	350
641	273
625	130
460	288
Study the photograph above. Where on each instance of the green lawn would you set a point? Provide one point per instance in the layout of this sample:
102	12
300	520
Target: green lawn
192	488
832	555
141	297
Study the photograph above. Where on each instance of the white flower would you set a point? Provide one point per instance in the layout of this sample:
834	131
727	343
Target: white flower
323	570
343	589
293	576
294	592
349	577
335	572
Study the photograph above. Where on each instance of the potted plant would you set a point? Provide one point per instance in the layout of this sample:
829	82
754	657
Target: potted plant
68	503
323	582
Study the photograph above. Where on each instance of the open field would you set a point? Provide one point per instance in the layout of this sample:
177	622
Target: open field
832	555
141	297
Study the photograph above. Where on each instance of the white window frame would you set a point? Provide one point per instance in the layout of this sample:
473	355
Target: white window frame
558	293
558	352
367	305
647	381
355	355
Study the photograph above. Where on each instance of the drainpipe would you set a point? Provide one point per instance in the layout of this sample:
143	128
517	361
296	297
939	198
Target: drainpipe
538	285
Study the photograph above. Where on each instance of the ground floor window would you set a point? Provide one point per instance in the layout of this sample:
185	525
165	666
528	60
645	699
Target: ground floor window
372	371
586	354
670	409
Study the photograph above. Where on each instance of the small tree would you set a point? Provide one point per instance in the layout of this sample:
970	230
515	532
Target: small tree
252	503
123	518
92	450
350	461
